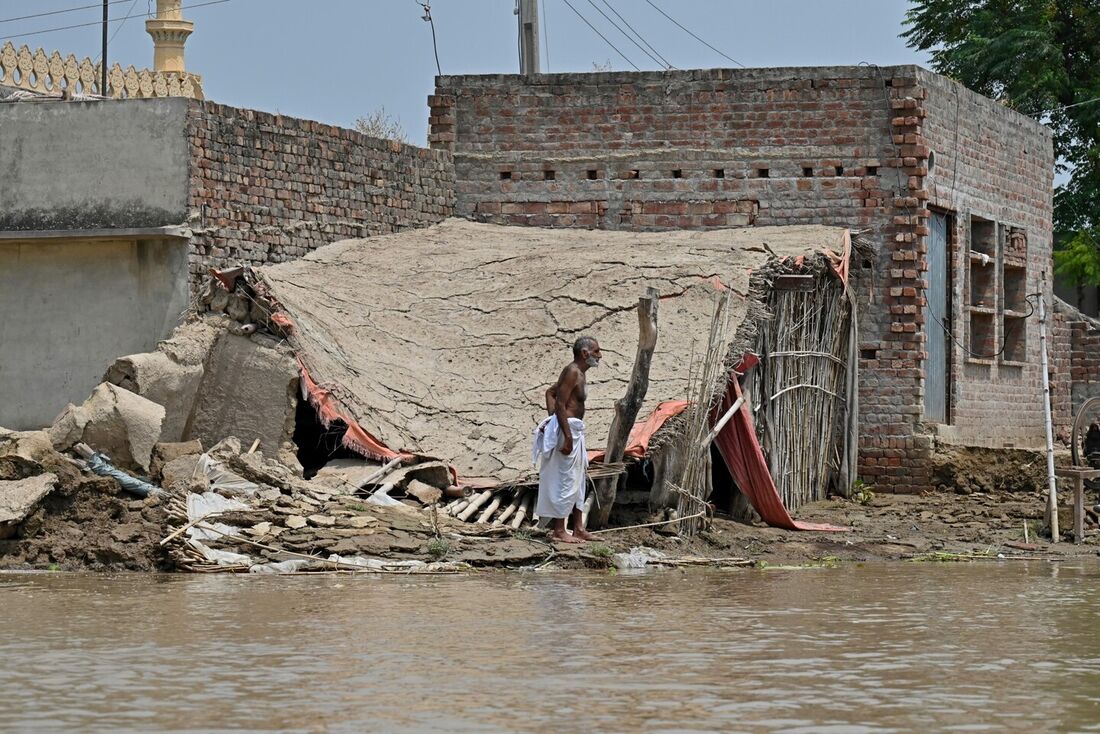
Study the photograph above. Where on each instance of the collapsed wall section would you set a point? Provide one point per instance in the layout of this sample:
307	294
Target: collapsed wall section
266	188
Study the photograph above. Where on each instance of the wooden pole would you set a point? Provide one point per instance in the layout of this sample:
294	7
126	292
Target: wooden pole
1052	490
627	407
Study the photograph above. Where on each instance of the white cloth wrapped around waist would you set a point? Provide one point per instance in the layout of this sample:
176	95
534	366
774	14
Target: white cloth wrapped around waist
561	476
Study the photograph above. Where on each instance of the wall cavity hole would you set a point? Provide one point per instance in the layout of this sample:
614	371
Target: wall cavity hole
548	175
677	173
719	173
505	175
868	354
592	174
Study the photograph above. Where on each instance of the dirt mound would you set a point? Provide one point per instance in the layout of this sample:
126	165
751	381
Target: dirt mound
966	469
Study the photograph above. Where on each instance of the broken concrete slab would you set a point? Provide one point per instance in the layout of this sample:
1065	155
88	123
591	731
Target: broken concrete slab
423	492
452	352
155	376
249	390
19	497
117	422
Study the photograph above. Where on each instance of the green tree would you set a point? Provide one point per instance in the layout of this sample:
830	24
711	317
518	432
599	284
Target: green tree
1041	57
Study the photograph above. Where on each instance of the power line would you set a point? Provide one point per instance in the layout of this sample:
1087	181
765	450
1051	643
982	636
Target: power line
129	13
546	35
59	12
627	35
99	22
427	18
639	35
596	31
700	40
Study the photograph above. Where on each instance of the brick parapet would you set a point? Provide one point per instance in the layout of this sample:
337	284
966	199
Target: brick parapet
267	188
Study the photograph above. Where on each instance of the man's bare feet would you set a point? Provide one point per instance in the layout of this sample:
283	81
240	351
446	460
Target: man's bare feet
563	537
584	535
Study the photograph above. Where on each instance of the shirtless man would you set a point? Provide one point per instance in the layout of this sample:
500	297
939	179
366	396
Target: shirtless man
559	440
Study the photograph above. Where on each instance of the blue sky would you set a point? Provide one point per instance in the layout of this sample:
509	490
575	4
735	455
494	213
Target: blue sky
335	60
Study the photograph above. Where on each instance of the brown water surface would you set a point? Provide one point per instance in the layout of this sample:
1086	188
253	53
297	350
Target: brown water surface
905	647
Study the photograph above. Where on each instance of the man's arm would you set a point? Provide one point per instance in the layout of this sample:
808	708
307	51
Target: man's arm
567	384
552	399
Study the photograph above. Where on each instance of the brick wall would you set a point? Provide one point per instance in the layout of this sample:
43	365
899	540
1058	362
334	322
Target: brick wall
992	164
844	146
266	188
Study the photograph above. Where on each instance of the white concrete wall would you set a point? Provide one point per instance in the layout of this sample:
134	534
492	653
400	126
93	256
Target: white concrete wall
68	308
88	165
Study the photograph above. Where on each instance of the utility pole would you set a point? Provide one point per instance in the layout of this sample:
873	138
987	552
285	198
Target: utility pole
528	12
103	55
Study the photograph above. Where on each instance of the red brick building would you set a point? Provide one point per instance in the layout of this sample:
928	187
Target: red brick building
954	190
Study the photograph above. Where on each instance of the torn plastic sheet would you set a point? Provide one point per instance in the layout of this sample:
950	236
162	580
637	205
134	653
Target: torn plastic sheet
290	566
221	557
210	503
223	480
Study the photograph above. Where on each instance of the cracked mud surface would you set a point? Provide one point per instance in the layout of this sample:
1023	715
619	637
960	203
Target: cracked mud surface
443	340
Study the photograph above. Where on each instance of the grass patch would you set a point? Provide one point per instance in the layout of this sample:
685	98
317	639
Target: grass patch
522	535
861	493
358	507
601	550
438	548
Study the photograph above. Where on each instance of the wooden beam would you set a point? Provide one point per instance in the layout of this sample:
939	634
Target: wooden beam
627	407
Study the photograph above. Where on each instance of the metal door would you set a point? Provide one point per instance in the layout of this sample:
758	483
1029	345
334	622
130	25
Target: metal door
937	322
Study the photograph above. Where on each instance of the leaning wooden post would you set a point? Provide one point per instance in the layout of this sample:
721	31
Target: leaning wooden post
627	407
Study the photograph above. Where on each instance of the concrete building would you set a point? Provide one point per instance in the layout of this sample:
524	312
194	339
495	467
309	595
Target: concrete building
110	208
954	189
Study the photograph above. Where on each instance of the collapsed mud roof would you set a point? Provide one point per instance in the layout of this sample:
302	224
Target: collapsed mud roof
441	341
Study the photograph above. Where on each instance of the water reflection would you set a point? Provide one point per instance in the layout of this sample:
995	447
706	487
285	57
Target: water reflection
978	647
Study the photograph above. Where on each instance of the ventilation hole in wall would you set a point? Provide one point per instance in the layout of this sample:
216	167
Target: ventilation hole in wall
807	172
867	264
889	82
592	173
635	174
872	170
548	175
763	173
505	175
840	170
931	160
677	173
868	354
719	173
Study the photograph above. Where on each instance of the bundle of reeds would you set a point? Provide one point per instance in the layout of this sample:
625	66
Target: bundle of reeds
706	381
800	388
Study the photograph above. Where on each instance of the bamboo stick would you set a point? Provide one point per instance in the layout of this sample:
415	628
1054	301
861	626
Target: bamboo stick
521	513
475	503
489	510
511	508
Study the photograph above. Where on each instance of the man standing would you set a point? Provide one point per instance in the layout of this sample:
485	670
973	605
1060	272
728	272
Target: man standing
559	446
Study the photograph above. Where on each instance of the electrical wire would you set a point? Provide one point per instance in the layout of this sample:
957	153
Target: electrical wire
639	35
627	35
609	43
700	40
129	13
427	18
100	22
59	12
546	35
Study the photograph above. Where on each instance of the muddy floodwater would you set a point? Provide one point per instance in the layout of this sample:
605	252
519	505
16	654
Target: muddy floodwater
984	646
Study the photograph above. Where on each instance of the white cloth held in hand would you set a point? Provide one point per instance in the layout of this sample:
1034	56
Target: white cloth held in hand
561	476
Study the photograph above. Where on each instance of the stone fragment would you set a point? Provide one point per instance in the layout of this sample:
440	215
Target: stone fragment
295	522
117	422
261	528
360	521
155	376
423	492
19	497
322	521
165	452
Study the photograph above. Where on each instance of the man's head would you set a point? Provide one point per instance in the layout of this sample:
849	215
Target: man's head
586	351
